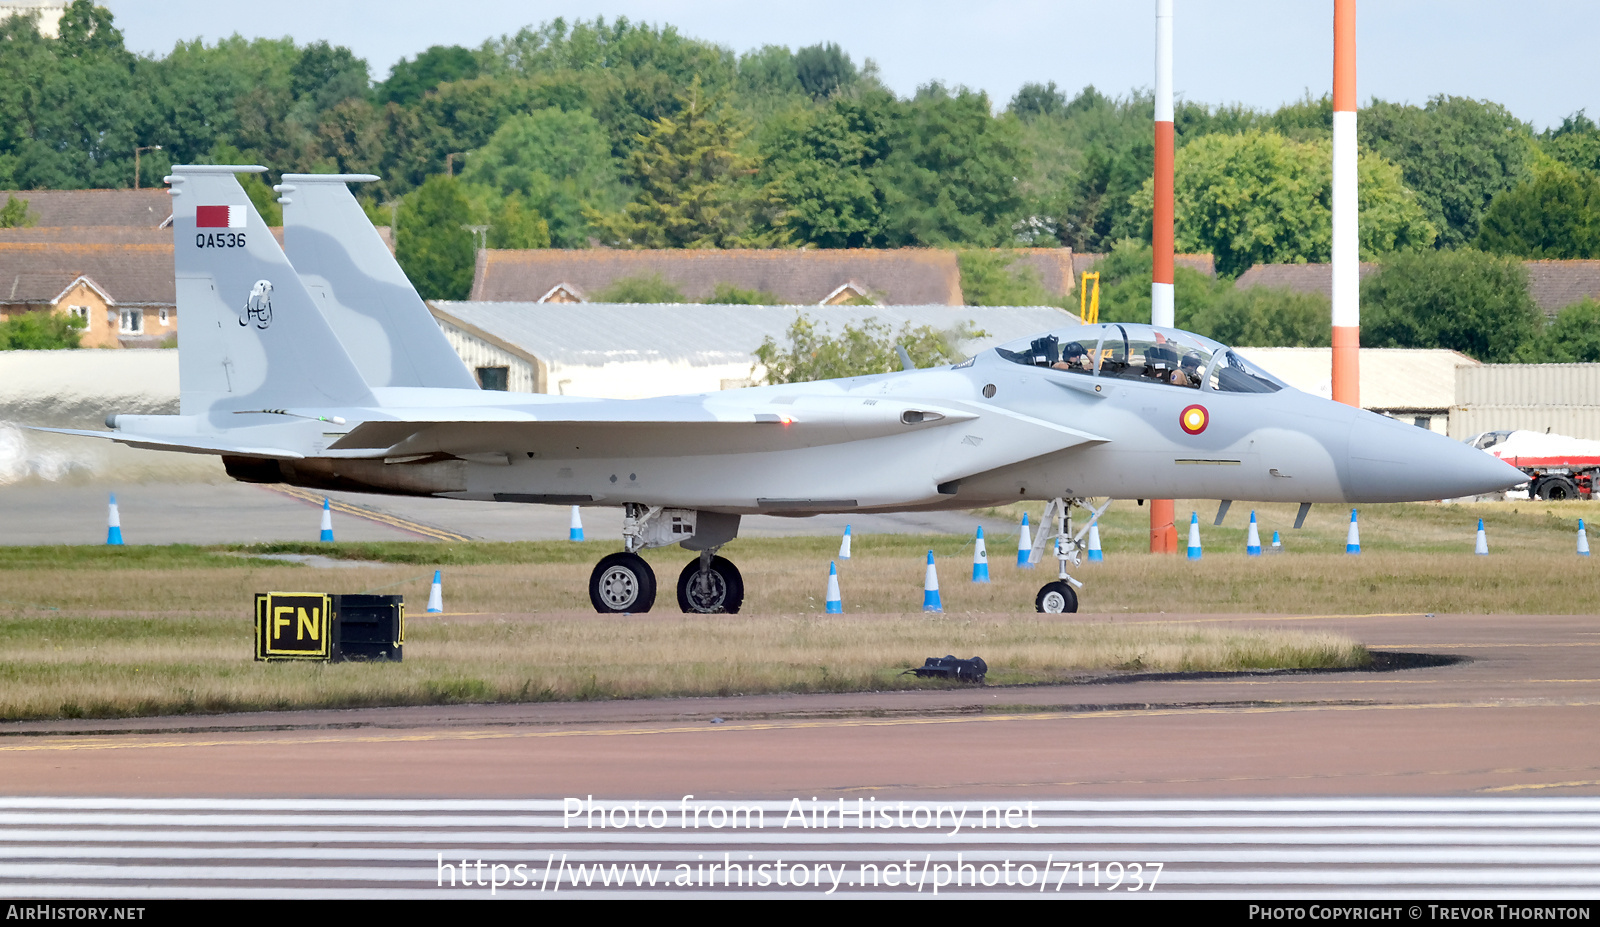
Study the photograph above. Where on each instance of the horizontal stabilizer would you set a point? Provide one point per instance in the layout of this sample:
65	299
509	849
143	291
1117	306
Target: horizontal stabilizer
187	444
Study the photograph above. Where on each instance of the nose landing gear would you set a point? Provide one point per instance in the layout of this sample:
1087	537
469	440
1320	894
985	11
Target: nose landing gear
1060	597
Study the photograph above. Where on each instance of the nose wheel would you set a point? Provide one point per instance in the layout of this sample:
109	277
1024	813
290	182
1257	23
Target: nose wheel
623	583
710	587
1057	598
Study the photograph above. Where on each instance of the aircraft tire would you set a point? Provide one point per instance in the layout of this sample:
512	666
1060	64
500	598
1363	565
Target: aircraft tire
1056	598
720	593
622	583
1557	488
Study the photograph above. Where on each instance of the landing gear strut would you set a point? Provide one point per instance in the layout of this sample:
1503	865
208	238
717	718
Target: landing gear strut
625	583
1060	597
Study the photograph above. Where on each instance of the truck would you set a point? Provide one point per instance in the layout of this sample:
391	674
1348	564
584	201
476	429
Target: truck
1558	466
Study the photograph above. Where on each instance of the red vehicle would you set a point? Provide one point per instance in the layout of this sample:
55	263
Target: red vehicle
1558	466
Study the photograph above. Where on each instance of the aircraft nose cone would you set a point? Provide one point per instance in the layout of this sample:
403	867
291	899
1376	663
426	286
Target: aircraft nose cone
1391	461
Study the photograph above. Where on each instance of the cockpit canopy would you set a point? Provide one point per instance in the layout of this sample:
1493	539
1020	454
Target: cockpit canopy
1129	351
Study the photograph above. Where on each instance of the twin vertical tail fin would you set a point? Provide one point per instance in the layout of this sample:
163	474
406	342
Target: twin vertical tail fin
252	337
360	288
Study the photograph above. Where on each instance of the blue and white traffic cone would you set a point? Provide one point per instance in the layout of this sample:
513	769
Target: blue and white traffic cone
1096	555
1583	540
575	526
1252	541
1194	535
1024	545
930	589
980	559
113	523
1352	541
436	594
1277	545
327	521
835	604
1482	547
844	545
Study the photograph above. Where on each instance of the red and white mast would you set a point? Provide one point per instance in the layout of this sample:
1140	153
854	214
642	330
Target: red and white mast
1163	535
1346	228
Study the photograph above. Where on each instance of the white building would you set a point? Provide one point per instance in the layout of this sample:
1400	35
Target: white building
48	11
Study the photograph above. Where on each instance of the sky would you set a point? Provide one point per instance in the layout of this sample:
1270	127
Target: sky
1534	57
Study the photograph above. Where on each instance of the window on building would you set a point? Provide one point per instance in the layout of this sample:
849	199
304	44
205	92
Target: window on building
81	313
163	315
132	322
495	378
1423	421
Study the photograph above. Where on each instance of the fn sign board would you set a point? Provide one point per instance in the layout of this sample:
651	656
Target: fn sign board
293	625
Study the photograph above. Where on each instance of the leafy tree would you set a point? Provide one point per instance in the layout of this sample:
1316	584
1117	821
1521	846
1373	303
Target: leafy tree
813	353
1086	163
951	173
823	164
1463	300
558	162
515	225
693	187
1034	100
40	331
1456	153
1259	197
15	214
644	288
409	79
620	45
1263	317
1555	215
768	71
989	278
1572	338
823	70
1125	276
726	294
326	74
431	243
1575	143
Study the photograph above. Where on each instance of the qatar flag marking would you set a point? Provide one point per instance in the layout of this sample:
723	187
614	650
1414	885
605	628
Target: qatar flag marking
219	217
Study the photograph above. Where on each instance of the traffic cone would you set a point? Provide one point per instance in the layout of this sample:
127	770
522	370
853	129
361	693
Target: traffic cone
835	604
1194	535
1482	547
1252	541
930	589
980	559
844	545
575	526
1583	540
1096	555
113	524
327	521
1352	541
436	594
1277	545
1024	545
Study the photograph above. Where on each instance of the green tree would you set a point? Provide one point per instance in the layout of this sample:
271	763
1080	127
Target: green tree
1259	197
1084	163
558	162
814	353
991	278
15	214
823	162
40	331
1125	275
432	244
515	225
410	78
1456	153
1463	300
643	288
1575	143
823	70
1263	317
1555	215
726	294
694	187
1572	338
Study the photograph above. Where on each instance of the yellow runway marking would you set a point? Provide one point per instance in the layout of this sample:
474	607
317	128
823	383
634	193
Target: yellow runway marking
361	511
1581	783
106	744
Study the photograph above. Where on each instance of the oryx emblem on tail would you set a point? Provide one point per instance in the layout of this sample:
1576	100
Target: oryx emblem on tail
258	308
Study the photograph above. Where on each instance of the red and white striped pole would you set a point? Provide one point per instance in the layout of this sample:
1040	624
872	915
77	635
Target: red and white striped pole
1163	534
1346	227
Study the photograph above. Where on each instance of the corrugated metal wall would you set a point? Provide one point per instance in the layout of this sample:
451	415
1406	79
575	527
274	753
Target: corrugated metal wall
1558	398
475	353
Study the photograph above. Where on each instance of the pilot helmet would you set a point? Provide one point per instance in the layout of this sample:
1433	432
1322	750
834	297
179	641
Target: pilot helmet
1073	349
1191	361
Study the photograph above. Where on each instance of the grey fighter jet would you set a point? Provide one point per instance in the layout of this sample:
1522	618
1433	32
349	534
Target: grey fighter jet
328	373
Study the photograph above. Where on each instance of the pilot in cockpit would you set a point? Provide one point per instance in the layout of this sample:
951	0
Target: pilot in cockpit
1074	356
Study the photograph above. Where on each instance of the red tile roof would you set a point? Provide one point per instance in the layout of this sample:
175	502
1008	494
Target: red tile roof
144	208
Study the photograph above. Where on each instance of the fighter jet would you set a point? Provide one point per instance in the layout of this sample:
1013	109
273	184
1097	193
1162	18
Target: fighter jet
329	373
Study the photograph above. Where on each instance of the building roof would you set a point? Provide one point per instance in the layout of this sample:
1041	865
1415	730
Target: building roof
1555	285
145	208
1391	378
595	334
1301	278
1205	263
133	274
906	276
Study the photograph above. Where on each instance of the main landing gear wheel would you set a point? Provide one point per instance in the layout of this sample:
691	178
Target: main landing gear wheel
622	583
1557	488
718	590
1056	598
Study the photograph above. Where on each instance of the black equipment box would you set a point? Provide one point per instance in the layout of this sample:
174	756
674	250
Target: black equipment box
336	628
949	667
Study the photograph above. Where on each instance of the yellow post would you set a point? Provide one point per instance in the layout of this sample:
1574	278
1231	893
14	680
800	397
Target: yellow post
1089	305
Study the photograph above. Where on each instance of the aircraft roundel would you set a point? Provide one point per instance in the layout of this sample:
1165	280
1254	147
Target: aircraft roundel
1194	419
